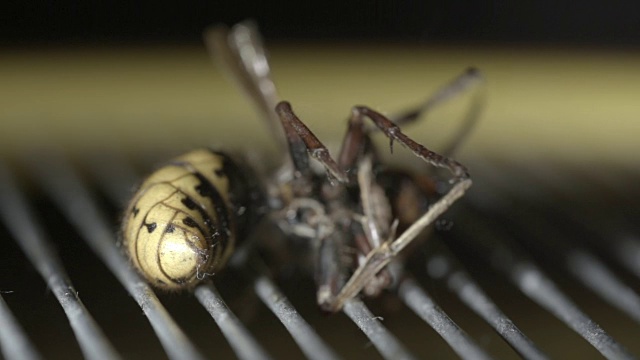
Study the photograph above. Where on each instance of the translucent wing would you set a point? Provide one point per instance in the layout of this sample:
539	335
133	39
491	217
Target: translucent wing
240	53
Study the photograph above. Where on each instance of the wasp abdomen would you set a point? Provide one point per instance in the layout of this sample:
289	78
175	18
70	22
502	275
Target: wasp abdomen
181	224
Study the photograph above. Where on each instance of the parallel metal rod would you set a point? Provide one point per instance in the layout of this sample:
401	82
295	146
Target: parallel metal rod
30	236
601	280
579	261
354	320
308	341
617	237
532	281
627	250
303	334
387	344
380	337
241	341
14	343
418	300
63	184
444	268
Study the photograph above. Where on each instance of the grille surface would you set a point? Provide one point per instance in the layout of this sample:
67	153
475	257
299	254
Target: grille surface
540	260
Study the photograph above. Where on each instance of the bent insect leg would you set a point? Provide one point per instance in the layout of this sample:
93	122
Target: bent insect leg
471	79
383	254
303	143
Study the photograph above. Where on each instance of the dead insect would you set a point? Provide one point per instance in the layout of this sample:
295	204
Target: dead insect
184	220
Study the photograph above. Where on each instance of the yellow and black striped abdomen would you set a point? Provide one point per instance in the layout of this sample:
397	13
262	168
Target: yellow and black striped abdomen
181	226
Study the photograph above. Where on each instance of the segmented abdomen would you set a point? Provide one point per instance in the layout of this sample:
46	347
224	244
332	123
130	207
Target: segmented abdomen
180	225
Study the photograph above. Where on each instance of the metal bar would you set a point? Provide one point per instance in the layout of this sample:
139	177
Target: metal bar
595	275
387	344
627	250
445	268
241	341
422	304
303	334
581	263
618	235
116	187
66	188
532	281
615	236
20	220
14	343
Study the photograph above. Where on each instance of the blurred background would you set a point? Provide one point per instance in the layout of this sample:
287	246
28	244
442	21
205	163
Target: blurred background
137	73
94	78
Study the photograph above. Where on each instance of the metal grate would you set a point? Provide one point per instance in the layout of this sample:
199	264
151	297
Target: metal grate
529	244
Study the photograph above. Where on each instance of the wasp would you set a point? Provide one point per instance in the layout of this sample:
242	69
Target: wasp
187	217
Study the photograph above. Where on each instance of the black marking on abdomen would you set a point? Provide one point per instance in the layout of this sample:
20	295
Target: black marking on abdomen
244	194
189	203
190	222
150	227
206	189
169	229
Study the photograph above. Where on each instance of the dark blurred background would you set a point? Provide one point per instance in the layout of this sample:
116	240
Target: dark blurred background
601	23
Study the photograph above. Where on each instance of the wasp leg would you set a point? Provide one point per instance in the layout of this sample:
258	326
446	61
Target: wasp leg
329	270
471	79
376	222
354	144
393	132
303	143
356	141
378	258
241	54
